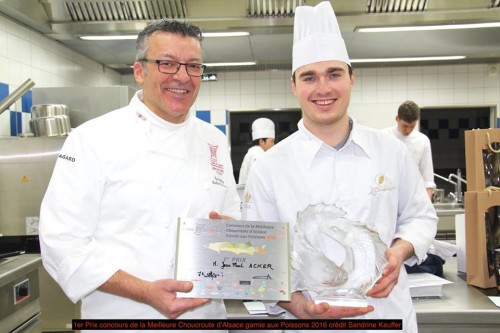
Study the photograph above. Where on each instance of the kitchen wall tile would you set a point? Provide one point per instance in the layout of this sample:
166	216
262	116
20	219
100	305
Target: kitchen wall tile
476	68
430	97
445	69
203	102
291	101
262	86
218	117
384	96
369	72
262	101
248	101
217	88
232	76
280	74
218	102
247	87
476	95
445	80
398	96
247	75
205	89
460	96
355	96
476	80
399	82
278	86
369	83
262	75
278	101
460	69
415	81
491	95
445	97
233	102
426	70
415	70
460	79
399	71
430	81
416	95
384	82
233	87
492	80
368	96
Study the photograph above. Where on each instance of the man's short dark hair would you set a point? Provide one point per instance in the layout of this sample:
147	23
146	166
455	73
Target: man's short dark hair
166	25
409	111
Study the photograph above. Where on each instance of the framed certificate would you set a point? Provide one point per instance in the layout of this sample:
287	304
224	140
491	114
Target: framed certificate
231	259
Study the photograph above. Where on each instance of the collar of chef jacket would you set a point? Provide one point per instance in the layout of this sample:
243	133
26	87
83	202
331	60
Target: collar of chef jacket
313	144
164	137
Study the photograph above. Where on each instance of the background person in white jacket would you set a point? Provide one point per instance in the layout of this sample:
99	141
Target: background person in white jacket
333	160
417	143
263	135
108	219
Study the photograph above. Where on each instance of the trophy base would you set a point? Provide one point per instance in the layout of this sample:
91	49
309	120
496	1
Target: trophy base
342	299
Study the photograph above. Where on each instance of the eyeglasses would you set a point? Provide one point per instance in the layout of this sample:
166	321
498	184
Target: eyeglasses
172	67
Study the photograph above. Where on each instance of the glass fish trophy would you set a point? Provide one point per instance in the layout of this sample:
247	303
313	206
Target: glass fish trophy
335	259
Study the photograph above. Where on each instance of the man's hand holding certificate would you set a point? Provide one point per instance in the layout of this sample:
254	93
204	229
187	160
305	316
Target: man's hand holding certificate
232	259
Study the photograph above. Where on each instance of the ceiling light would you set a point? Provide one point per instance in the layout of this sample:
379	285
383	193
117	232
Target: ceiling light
226	34
110	37
220	64
407	59
431	27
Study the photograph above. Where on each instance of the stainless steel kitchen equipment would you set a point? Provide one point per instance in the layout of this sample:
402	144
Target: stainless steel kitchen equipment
50	120
26	165
20	294
84	103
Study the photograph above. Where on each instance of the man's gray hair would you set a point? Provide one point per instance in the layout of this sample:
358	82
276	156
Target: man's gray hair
166	25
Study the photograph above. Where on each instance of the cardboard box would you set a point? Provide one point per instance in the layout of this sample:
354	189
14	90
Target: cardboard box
475	142
477	204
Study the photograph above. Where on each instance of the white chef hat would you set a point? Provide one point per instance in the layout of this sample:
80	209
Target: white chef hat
316	36
262	128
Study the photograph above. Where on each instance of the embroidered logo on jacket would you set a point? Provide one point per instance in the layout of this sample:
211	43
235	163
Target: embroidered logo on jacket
381	185
219	168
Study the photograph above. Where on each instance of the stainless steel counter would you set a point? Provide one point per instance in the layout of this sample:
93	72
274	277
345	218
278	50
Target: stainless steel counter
20	294
463	308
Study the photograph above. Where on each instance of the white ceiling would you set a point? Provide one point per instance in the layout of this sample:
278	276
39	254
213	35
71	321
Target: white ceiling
271	29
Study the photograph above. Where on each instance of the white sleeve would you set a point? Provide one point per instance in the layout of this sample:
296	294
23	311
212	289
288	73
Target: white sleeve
68	217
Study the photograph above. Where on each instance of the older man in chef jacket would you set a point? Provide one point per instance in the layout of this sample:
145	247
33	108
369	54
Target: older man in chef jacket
333	160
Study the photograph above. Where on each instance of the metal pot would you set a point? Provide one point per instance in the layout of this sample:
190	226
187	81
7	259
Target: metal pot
50	120
49	110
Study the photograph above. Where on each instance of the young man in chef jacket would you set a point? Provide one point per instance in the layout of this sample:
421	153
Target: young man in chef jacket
108	220
333	160
417	143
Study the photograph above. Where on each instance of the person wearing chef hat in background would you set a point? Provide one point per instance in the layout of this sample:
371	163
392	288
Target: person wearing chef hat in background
263	135
332	159
108	220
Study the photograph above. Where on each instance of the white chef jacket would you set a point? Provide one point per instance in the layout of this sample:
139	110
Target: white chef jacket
372	178
419	146
250	157
119	185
